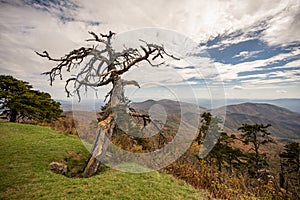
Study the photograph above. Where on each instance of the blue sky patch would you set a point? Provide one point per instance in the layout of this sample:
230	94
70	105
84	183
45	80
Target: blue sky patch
233	54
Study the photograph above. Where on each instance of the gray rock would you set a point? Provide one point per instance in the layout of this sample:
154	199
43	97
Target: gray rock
58	168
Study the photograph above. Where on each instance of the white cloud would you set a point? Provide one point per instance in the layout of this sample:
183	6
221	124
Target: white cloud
284	27
281	91
278	25
230	72
246	54
265	92
237	87
24	29
242	54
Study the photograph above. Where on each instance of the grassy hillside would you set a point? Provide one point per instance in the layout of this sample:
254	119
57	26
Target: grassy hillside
27	150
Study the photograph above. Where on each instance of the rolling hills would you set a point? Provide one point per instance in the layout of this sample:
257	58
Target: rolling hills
285	123
170	106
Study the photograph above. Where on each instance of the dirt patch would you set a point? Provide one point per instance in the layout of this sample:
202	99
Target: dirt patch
71	166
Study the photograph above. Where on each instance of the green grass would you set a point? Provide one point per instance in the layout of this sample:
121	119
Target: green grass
27	150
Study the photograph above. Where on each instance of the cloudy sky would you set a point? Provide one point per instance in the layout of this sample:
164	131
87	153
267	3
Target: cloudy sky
253	45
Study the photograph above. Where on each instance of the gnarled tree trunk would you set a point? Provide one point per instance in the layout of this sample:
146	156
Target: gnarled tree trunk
104	66
13	115
106	128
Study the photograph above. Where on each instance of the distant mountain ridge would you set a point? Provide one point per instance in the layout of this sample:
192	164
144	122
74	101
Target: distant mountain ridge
285	123
291	104
170	106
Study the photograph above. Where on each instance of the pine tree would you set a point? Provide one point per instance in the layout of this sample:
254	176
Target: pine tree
290	168
222	152
256	135
18	101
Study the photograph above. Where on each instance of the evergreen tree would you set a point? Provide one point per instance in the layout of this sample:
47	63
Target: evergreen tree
290	168
18	101
222	152
206	124
256	135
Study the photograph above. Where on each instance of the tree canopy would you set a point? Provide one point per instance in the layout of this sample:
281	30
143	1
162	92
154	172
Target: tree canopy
290	168
18	101
256	135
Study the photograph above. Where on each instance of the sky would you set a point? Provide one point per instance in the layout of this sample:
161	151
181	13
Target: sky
241	49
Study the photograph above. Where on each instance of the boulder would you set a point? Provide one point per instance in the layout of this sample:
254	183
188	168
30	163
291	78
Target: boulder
58	168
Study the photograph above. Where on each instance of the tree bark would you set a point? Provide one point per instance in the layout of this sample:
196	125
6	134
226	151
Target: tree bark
219	164
13	115
106	128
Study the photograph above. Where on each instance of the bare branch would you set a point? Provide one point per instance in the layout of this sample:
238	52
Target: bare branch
110	34
103	66
145	117
131	83
66	86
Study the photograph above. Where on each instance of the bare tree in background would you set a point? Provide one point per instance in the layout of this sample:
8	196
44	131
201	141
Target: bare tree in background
105	66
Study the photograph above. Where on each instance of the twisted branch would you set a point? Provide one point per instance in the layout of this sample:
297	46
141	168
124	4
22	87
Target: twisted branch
102	66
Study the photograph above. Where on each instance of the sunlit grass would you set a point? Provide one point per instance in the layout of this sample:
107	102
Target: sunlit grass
27	150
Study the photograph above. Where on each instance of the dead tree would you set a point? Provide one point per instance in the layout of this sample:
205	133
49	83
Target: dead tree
103	65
